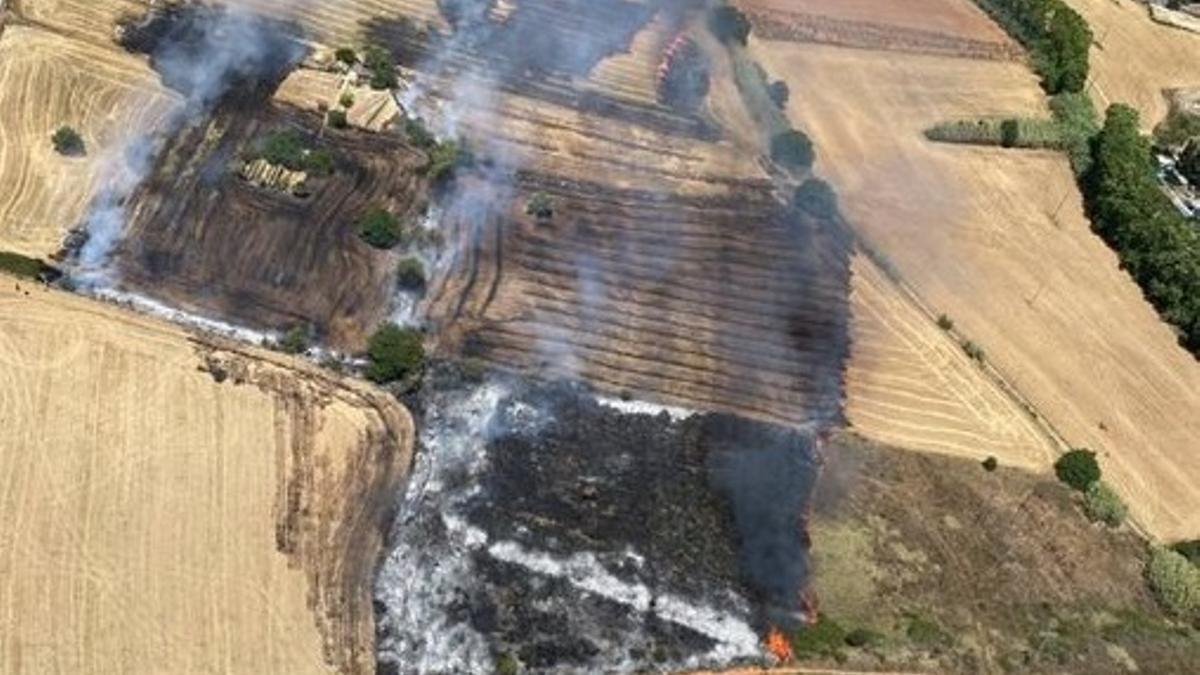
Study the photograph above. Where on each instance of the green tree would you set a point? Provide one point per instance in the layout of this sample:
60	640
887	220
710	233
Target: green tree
380	228
68	142
346	100
1010	133
394	353
1188	549
410	274
295	341
1175	582
336	119
346	55
379	61
990	464
1103	504
1078	468
540	206
792	149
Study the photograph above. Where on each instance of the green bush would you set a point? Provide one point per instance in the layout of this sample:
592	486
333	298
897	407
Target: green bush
445	158
379	61
823	638
729	24
394	353
319	162
973	350
1055	35
22	266
295	341
346	100
380	228
285	148
1103	504
540	206
1010	133
944	322
336	119
816	198
67	141
1156	245
990	464
1175	582
418	134
410	274
863	637
1078	468
346	55
792	149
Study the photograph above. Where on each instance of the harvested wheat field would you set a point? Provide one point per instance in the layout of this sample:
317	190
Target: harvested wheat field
1135	60
180	506
997	240
47	80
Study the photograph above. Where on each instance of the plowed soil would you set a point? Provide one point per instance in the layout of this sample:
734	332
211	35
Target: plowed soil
177	504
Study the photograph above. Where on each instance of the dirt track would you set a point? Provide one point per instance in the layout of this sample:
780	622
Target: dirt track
997	240
157	516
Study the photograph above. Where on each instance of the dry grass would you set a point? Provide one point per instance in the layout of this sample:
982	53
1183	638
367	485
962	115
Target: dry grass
998	241
155	516
1134	59
47	80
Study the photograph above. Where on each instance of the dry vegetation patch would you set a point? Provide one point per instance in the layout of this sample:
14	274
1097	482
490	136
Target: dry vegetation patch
175	502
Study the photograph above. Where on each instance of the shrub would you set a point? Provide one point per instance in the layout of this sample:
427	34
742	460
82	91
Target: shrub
394	353
1175	582
346	100
1010	133
779	93
729	24
1103	504
22	266
380	228
379	61
67	141
287	148
973	350
445	158
319	162
990	464
1189	550
823	638
410	274
925	632
418	135
540	206
346	55
336	119
816	198
295	341
792	149
863	637
944	322
1078	468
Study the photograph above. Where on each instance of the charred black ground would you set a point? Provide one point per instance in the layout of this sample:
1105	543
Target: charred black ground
587	539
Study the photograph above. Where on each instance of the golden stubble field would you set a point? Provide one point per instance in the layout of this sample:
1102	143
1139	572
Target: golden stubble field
160	520
1134	60
997	240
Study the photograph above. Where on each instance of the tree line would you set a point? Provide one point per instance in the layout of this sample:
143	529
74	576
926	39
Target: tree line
1055	35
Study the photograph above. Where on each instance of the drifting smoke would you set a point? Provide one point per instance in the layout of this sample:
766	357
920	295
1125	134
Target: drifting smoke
201	52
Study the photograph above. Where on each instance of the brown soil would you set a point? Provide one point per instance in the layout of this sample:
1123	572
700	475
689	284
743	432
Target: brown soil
204	238
177	500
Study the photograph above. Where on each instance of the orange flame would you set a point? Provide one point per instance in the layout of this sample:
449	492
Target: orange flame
778	645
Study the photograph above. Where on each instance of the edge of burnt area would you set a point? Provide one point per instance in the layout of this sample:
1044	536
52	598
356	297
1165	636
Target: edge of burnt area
339	556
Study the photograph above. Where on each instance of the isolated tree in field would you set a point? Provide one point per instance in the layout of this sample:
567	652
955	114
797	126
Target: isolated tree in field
67	141
1175	582
1078	468
394	353
792	149
380	228
729	24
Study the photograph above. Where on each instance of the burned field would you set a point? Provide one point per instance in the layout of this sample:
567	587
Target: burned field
204	236
573	537
213	230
